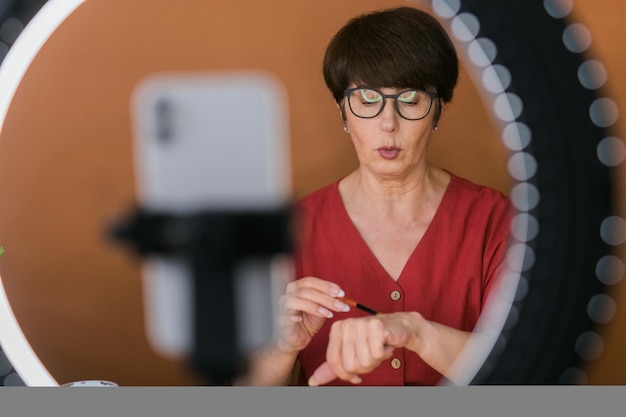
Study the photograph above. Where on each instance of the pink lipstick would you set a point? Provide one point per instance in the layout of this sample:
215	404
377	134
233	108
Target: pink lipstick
388	152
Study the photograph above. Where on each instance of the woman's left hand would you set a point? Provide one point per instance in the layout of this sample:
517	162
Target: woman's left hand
357	346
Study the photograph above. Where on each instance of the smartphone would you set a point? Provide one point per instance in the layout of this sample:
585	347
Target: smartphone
204	141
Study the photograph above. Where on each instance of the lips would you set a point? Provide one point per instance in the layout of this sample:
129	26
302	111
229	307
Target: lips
388	152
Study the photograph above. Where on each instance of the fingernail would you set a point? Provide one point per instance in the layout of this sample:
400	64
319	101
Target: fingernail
313	383
341	306
356	380
337	292
325	312
296	319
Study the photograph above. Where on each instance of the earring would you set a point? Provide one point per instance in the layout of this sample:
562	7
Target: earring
435	128
346	128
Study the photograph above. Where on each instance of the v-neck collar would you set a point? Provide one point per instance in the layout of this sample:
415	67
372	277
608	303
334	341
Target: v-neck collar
345	217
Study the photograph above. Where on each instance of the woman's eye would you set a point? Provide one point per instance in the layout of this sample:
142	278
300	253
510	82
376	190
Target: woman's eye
370	97
410	98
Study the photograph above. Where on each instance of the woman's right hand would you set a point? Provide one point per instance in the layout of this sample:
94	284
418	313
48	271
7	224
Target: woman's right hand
304	308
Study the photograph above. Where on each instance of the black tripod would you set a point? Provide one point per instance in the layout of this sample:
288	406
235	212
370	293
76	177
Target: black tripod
213	243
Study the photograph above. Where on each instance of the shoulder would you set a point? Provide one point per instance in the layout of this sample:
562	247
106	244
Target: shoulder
465	191
471	189
326	195
479	205
318	213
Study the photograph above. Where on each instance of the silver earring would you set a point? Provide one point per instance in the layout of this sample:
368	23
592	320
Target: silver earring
435	128
346	128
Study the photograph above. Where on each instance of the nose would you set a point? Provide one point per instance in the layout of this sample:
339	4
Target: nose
389	115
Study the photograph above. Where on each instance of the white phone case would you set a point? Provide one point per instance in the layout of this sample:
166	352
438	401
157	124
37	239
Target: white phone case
202	141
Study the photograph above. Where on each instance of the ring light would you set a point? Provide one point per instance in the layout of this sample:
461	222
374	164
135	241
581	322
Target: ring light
545	95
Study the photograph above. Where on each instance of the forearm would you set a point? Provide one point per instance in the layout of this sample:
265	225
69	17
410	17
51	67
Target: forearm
268	366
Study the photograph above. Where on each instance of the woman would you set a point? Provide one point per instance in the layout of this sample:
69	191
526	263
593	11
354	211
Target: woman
408	239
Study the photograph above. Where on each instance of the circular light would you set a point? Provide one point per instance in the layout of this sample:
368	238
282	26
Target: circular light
496	78
611	151
446	8
592	74
524	196
610	270
482	51
522	166
573	376
529	259
465	26
4	49
558	8
499	345
613	230
522	289
509	284
512	318
516	136
577	38
515	256
589	346
601	308
520	257
11	29
524	227
603	112
13	380
5	365
508	107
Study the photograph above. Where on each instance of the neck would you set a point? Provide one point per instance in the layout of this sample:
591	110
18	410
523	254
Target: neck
394	196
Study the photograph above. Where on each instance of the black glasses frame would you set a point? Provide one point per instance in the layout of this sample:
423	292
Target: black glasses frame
348	91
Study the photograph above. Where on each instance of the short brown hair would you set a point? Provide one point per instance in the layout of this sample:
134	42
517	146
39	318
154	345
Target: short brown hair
397	48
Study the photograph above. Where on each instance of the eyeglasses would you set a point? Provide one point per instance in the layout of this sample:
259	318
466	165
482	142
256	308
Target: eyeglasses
367	103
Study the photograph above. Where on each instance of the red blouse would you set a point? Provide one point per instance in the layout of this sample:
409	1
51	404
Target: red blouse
446	278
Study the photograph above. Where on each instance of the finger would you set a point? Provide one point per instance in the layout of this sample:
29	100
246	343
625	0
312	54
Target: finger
363	348
323	292
295	306
340	351
322	375
396	331
376	338
314	296
310	295
349	350
323	286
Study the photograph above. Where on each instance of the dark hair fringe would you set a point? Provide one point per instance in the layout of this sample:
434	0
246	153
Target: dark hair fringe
399	47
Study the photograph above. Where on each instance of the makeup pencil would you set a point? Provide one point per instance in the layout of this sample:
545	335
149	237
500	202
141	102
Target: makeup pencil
360	306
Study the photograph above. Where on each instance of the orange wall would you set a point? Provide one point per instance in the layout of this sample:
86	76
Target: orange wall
66	158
